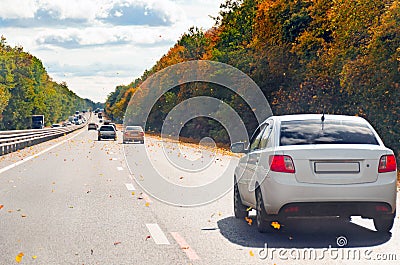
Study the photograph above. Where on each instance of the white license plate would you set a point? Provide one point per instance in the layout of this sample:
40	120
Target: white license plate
337	167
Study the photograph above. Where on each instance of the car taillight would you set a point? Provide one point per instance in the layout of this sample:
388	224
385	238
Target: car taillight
387	163
281	163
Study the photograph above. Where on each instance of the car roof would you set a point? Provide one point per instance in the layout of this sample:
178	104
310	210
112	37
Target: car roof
107	125
296	117
134	127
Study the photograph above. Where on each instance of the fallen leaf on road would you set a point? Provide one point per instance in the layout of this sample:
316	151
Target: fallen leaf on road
276	225
251	253
117	243
10	211
249	220
181	178
34	257
1	206
148	237
147	204
133	193
23	215
18	258
185	247
71	207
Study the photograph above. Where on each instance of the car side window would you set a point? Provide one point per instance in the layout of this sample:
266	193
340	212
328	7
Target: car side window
255	142
266	136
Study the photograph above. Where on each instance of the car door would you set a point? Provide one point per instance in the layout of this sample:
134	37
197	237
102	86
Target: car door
249	164
261	158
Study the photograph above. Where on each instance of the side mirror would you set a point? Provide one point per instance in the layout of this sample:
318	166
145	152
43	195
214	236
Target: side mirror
238	147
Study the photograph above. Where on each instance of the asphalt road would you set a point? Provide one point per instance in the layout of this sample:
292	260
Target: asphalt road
75	200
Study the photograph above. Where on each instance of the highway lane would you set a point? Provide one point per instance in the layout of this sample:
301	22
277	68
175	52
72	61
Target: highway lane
78	204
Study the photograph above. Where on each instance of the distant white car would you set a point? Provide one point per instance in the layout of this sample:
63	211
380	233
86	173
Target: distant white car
315	165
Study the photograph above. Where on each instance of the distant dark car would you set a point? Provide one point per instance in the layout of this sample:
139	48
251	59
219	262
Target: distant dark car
55	125
107	132
92	126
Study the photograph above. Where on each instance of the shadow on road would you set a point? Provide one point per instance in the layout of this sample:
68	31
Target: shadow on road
320	233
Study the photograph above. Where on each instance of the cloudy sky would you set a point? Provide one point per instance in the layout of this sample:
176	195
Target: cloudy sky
95	45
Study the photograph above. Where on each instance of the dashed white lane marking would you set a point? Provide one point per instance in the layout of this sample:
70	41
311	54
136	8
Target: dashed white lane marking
114	159
190	253
4	169
130	186
157	234
120	168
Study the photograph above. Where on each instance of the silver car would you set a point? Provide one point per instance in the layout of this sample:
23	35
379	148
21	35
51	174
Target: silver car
315	165
107	132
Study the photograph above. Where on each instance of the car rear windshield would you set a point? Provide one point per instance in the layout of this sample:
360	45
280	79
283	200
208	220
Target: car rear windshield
107	128
306	132
133	128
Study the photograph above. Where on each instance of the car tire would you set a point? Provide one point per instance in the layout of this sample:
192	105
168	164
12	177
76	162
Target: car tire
262	220
238	207
98	138
384	225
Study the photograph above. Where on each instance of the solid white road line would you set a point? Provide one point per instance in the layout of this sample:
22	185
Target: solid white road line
4	169
157	234
190	253
130	186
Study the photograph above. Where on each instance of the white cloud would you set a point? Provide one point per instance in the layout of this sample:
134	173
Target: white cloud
106	36
95	45
13	9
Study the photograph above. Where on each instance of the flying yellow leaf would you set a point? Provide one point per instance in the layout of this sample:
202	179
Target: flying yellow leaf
34	257
18	258
248	220
276	225
147	204
251	253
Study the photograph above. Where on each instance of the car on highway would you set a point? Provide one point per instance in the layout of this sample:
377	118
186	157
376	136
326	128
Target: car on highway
55	125
107	132
132	134
314	165
92	126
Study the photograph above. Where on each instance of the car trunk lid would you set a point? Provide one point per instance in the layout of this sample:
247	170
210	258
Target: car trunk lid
335	164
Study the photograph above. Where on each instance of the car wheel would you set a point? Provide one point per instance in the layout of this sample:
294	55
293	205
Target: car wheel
98	138
263	224
238	207
384	225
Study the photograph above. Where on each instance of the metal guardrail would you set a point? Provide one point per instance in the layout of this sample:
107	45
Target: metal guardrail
11	141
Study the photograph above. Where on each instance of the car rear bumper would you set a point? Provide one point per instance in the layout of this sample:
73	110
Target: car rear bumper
131	139
281	190
107	136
